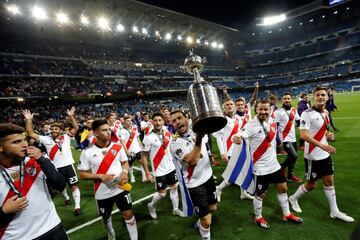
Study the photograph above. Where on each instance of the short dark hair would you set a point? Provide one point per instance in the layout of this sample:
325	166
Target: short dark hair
240	99
303	94
7	129
320	88
127	117
178	111
157	114
262	101
145	113
56	124
273	97
111	114
98	123
287	93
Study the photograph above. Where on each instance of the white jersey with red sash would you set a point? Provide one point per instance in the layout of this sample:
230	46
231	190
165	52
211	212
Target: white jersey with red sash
194	175
223	136
158	147
316	123
59	150
103	161
262	140
115	131
130	138
286	124
147	125
40	216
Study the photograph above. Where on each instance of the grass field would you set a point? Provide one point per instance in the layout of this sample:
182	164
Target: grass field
234	218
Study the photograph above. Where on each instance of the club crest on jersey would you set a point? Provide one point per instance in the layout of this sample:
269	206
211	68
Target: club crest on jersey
273	128
303	123
160	184
104	152
113	152
31	170
178	152
14	175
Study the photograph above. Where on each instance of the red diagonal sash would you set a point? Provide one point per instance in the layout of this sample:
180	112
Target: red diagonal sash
148	129
106	163
114	137
245	121
25	188
265	144
55	148
234	130
320	134
289	123
161	152
131	138
190	171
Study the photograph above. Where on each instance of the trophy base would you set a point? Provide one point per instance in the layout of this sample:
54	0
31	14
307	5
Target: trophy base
209	122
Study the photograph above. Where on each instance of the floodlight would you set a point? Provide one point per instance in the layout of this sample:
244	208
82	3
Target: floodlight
168	36
62	18
198	41
103	23
84	20
273	19
135	29
120	27
189	40
179	37
214	44
13	9
221	46
144	31
157	33
39	13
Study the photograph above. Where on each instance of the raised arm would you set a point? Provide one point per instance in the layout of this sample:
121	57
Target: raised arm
254	96
74	123
29	124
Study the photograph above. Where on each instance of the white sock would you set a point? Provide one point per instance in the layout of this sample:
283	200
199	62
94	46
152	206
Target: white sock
108	225
204	232
76	196
64	193
299	192
222	185
131	172
284	203
257	202
174	196
331	197
132	228
157	197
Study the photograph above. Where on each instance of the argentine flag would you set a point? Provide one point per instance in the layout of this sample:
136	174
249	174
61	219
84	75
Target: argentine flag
240	168
187	205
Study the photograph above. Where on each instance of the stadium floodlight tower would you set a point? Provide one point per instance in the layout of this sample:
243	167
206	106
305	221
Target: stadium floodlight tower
39	13
62	18
103	23
84	20
13	9
272	20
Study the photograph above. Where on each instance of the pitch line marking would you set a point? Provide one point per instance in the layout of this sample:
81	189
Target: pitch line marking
99	218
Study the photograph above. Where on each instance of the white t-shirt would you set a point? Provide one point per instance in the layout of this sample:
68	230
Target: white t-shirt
152	144
91	158
313	121
115	129
40	216
223	136
255	133
147	125
194	175
282	118
126	134
59	151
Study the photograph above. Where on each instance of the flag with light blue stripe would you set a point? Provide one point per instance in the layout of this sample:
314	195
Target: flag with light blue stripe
240	168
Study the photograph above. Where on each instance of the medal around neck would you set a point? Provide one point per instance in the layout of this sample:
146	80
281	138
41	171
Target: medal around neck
205	108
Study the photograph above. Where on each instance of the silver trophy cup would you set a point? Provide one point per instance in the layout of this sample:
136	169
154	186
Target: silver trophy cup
205	108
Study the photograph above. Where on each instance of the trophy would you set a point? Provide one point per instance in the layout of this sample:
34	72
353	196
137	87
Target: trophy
205	108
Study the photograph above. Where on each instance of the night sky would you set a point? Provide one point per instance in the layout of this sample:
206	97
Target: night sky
232	13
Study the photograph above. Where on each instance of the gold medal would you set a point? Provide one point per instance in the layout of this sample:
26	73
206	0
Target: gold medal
15	175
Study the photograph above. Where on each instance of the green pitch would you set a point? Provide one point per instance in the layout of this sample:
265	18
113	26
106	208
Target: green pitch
234	219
